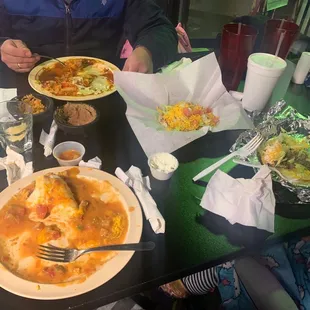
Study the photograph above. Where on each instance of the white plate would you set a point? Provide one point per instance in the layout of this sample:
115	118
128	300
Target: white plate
21	287
33	81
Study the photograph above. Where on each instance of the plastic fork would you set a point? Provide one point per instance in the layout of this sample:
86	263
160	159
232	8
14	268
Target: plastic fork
245	151
61	255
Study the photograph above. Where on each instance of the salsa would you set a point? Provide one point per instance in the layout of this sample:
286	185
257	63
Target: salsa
69	155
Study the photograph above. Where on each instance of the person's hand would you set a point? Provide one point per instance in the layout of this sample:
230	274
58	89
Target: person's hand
16	55
139	61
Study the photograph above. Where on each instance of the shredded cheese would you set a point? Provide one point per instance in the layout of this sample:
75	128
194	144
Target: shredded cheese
186	116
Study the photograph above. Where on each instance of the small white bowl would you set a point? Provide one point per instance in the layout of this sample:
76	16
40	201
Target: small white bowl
159	174
66	146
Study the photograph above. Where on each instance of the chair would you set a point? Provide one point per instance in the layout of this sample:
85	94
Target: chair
303	18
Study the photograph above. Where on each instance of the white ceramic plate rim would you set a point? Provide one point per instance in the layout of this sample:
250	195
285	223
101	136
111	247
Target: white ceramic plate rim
24	288
38	88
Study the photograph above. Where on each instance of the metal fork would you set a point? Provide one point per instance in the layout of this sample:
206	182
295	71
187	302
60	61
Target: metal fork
49	57
42	56
258	166
243	152
61	255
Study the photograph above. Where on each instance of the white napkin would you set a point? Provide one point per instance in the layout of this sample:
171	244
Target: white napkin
92	163
248	202
48	140
7	93
176	66
15	166
141	186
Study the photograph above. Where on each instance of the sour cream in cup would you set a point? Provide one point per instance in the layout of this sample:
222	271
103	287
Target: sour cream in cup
163	165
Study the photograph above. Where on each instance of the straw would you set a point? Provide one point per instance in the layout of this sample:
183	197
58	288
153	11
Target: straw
280	42
238	48
282	22
239	28
271	63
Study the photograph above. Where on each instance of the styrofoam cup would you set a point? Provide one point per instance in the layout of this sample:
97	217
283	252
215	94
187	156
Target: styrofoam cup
302	68
264	71
66	146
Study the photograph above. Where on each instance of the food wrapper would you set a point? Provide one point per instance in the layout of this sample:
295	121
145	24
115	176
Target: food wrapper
279	118
92	163
15	166
48	140
141	186
200	82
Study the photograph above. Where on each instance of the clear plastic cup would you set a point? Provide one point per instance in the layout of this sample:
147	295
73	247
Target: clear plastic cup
68	146
15	126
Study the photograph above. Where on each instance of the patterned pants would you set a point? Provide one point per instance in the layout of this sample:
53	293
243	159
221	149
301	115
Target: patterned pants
289	263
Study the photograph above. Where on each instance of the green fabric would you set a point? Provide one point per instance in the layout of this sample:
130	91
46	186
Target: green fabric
182	230
194	240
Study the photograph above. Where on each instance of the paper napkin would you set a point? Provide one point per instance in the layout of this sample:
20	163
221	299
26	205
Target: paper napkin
15	166
92	163
141	186
48	140
7	94
177	65
248	202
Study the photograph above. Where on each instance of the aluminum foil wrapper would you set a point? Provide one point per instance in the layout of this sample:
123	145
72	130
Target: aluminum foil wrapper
270	124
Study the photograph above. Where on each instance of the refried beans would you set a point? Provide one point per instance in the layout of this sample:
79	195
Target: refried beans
78	114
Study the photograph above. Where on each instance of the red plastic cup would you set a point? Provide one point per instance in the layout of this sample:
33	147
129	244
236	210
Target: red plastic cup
234	53
273	30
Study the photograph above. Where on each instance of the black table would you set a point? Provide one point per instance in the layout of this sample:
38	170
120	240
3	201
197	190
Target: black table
179	252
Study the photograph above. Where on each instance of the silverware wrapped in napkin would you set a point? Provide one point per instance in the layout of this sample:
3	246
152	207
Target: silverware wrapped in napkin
48	139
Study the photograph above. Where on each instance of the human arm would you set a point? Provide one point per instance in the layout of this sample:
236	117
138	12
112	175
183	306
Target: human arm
147	27
13	53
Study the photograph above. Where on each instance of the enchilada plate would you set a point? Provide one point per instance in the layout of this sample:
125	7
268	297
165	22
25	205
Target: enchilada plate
105	272
92	75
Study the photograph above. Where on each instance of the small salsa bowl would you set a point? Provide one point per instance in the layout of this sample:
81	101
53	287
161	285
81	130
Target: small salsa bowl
69	146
